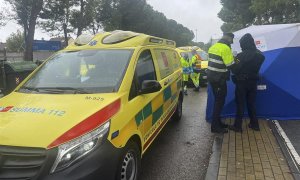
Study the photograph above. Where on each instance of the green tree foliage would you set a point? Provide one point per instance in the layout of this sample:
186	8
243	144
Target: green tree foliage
5	14
133	15
107	15
26	14
198	44
238	14
56	16
202	45
98	9
276	11
2	19
69	16
84	16
15	42
138	16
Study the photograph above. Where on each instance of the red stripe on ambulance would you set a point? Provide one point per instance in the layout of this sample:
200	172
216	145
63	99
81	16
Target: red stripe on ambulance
88	124
6	109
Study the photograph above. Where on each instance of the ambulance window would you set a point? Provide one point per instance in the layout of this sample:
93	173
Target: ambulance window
190	55
144	71
145	68
175	60
133	89
164	62
182	54
84	71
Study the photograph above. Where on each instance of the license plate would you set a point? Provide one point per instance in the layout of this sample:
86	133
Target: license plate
204	77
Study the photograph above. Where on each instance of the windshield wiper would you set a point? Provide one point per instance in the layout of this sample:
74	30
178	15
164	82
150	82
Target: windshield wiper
76	90
29	88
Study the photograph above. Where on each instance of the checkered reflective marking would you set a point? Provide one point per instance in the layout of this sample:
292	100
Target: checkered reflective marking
152	112
17	80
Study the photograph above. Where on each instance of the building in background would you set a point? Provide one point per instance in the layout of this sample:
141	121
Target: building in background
62	40
42	45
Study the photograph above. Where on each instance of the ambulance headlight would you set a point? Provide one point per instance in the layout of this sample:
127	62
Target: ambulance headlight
74	150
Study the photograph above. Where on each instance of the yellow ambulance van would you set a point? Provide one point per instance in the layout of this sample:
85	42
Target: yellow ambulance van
91	110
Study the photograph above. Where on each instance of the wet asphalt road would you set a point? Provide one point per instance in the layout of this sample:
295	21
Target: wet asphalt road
182	149
291	128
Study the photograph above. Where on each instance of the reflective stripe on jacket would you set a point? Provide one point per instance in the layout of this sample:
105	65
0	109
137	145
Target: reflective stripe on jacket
196	63
186	68
220	58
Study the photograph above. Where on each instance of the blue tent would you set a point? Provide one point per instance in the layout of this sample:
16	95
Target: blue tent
278	94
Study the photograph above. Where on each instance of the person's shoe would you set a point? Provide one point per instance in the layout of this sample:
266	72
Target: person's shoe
235	129
219	130
223	125
255	128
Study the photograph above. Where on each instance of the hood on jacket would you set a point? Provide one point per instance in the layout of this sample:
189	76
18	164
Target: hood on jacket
247	42
250	59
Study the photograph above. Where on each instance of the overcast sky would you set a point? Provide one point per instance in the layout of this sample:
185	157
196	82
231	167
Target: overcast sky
200	15
193	14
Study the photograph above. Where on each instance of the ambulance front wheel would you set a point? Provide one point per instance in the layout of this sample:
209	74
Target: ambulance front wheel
178	112
129	166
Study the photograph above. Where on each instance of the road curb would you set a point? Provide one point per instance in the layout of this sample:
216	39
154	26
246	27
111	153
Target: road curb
214	161
295	169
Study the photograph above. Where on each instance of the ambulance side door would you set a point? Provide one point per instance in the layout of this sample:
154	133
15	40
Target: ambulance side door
144	70
169	79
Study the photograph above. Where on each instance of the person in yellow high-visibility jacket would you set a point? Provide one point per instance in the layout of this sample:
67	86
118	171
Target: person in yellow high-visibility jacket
220	62
195	63
186	68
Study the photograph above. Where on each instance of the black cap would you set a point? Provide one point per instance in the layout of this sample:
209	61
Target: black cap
229	34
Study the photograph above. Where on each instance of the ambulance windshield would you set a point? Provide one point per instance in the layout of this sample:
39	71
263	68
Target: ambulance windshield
85	71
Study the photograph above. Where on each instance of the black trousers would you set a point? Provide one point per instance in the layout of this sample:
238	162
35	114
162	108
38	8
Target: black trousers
245	93
220	92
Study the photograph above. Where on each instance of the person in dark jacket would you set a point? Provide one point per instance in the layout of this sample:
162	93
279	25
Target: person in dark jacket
245	78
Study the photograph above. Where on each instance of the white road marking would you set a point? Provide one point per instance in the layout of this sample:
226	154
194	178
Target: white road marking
287	142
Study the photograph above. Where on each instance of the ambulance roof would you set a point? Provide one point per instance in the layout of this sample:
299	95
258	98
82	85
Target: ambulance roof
118	39
189	48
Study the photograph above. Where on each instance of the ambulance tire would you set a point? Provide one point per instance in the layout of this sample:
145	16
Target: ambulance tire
129	166
178	112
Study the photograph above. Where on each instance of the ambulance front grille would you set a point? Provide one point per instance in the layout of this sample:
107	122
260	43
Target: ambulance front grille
20	163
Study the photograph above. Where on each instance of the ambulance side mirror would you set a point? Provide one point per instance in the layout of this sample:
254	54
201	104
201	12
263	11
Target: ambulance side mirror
150	86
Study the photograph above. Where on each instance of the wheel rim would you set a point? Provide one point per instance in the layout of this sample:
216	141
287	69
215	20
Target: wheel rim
128	171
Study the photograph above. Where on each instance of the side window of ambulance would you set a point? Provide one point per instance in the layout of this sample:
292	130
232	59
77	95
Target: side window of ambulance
175	60
144	71
145	68
164	62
